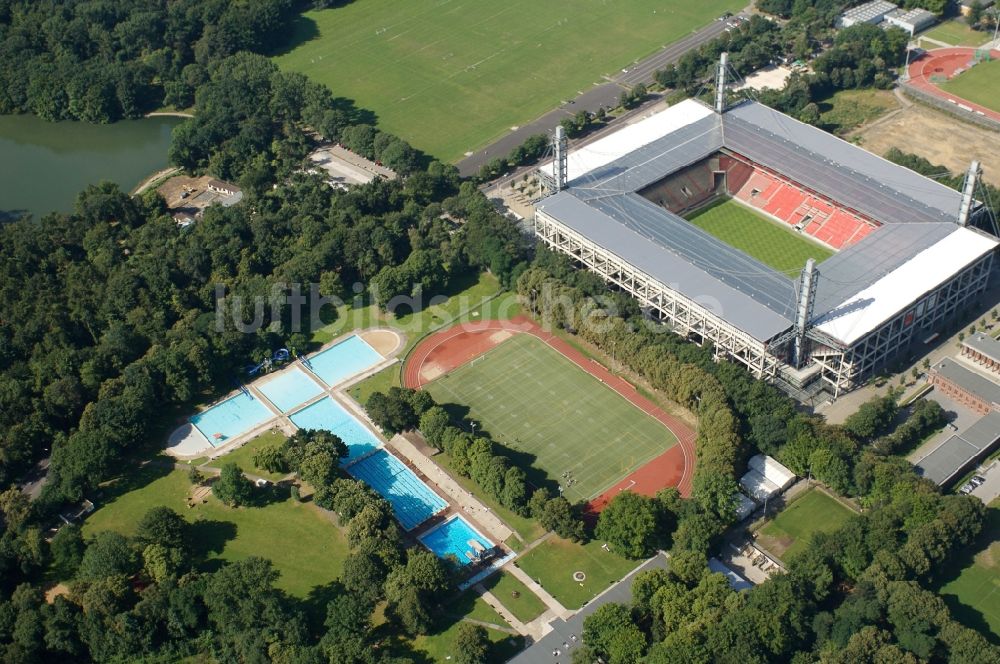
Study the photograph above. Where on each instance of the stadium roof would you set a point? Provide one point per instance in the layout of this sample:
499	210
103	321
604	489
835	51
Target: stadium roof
985	345
955	454
859	287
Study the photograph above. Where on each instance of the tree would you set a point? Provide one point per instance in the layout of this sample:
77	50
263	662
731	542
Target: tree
611	632
67	548
471	644
270	458
363	576
631	525
162	525
109	554
232	487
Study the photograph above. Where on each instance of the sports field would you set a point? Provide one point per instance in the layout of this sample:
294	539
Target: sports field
957	33
449	77
563	420
974	596
790	531
754	234
980	85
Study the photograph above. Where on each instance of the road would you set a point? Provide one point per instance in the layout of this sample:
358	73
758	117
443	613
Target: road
604	96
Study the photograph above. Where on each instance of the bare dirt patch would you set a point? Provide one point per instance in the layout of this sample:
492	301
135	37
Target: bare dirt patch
937	137
58	590
385	342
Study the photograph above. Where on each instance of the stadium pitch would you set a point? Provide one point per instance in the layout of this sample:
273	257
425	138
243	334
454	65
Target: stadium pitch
451	77
536	402
980	85
758	236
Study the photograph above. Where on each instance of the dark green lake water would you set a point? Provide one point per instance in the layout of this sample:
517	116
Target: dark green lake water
44	165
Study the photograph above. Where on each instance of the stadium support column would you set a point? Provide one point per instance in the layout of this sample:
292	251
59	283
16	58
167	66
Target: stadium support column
807	299
560	164
720	84
968	189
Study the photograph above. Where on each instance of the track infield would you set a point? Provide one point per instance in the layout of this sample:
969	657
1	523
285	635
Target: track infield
451	77
526	387
941	72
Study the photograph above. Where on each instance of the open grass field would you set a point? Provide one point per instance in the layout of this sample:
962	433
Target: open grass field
790	531
980	85
957	33
243	456
554	415
524	604
554	561
849	109
303	545
974	595
756	235
450	77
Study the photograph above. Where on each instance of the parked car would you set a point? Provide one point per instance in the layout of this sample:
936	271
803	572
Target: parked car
966	489
977	480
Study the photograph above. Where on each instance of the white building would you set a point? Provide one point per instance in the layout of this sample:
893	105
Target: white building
870	12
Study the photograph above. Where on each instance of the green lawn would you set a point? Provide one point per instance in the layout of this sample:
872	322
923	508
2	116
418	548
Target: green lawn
304	546
553	416
974	595
524	604
790	531
554	561
980	85
752	233
440	647
957	33
451	77
243	456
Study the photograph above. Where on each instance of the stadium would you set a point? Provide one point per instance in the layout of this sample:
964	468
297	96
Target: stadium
703	214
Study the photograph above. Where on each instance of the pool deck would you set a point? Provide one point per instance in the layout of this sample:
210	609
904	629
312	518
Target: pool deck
186	442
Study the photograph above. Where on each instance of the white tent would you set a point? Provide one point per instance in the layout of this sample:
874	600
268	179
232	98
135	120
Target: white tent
759	487
772	470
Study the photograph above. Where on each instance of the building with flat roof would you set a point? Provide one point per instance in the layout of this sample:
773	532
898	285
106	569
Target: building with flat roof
965	385
958	454
908	253
965	6
983	351
870	12
911	20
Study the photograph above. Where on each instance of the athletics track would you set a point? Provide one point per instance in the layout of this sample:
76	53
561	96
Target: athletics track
446	350
944	62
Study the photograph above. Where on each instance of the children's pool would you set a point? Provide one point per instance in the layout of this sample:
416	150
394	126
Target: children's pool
348	358
452	538
330	416
413	501
289	389
233	417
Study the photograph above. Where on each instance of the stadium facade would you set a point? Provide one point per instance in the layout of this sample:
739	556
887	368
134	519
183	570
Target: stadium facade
909	256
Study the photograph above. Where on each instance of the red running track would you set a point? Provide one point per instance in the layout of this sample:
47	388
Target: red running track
945	62
446	350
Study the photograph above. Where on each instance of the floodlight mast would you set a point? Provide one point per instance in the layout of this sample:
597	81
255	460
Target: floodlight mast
720	84
808	281
968	190
560	164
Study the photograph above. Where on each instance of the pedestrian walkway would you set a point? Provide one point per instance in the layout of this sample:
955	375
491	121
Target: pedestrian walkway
558	609
462	499
504	612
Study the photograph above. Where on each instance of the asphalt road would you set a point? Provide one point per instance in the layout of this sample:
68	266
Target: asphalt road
604	95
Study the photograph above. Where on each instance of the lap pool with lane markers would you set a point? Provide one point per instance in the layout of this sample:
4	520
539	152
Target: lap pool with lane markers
330	416
345	359
290	389
413	501
233	417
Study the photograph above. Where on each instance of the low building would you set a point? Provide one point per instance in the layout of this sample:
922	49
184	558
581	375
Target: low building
736	582
871	12
984	351
759	487
744	507
224	188
772	470
960	453
965	6
911	20
966	386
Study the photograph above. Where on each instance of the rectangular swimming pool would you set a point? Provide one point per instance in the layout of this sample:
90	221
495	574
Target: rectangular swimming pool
453	537
233	417
413	501
348	358
289	389
330	416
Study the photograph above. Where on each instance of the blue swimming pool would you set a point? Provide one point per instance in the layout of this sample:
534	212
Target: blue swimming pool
330	416
413	501
452	538
232	417
348	358
289	389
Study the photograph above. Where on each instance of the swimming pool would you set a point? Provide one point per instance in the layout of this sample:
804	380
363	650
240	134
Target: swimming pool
413	501
289	389
452	538
330	416
348	358
231	418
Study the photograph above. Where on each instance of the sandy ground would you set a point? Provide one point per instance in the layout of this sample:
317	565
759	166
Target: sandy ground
386	342
60	589
936	136
772	77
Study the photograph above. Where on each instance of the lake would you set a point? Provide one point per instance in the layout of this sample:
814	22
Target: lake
44	165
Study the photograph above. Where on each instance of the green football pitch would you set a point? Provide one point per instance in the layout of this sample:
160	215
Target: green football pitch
756	235
974	595
790	531
980	85
554	416
449	77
